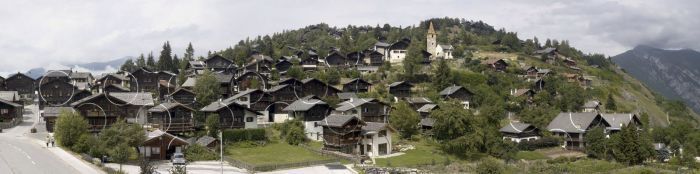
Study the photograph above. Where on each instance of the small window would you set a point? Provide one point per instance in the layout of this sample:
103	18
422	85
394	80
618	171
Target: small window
155	150
249	119
382	133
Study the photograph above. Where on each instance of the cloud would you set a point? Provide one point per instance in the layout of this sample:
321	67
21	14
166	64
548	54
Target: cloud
38	33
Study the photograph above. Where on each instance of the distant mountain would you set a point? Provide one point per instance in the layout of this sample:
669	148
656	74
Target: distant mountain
94	67
674	74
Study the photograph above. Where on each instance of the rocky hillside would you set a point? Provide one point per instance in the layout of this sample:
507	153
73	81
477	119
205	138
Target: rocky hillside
672	73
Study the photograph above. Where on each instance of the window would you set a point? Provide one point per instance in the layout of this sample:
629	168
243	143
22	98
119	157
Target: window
383	149
155	150
369	148
4	111
249	119
382	133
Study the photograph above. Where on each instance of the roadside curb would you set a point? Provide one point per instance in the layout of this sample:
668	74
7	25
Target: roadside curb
77	163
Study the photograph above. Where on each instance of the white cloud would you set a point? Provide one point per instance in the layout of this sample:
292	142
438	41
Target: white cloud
38	33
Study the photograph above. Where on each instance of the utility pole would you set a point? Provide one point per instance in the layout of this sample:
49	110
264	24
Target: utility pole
221	150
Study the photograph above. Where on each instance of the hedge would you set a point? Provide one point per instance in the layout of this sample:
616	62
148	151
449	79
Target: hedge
236	135
543	142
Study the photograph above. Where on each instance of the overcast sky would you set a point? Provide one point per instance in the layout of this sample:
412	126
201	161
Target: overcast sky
47	33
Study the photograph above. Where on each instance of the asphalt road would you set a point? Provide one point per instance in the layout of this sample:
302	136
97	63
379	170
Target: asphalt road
20	154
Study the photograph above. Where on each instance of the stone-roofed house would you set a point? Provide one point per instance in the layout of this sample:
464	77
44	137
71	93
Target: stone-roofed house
59	93
311	111
528	94
519	132
591	106
459	93
418	102
224	80
82	77
103	109
232	115
10	108
376	139
250	80
336	59
256	100
23	84
342	133
400	89
111	79
572	127
143	80
356	85
444	51
173	118
618	120
312	86
533	73
195	67
496	64
549	54
368	109
260	63
160	145
183	96
50	114
217	63
424	111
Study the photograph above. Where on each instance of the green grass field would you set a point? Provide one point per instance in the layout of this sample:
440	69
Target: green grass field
423	154
530	155
272	153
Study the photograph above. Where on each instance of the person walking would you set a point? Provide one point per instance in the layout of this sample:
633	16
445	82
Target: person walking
48	140
53	142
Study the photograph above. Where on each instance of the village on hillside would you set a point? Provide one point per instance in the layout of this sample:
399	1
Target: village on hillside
397	104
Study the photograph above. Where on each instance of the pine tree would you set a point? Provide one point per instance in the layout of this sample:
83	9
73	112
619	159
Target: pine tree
165	60
189	53
442	75
412	62
610	105
141	61
176	64
151	62
128	65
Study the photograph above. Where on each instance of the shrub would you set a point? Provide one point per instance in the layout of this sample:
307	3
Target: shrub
295	136
543	142
236	135
489	166
197	152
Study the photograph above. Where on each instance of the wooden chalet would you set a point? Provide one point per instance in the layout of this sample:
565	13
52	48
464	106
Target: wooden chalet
112	79
373	58
618	120
173	118
59	93
496	64
356	85
283	65
592	106
549	54
160	145
217	63
184	96
50	114
232	115
368	109
572	127
418	102
355	58
529	94
310	110
519	132
400	89
342	133
536	73
250	80
261	64
165	88
11	108
335	59
195	67
426	121
103	109
312	86
225	86
168	77
23	84
254	99
143	80
115	88
458	93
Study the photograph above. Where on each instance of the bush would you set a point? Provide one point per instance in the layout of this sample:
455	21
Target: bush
69	128
236	135
489	166
543	142
197	152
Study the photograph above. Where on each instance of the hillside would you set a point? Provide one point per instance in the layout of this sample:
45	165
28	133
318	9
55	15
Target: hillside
672	73
474	42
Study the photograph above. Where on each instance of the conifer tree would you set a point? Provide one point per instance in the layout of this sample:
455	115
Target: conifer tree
151	62
442	75
141	61
610	105
165	60
189	53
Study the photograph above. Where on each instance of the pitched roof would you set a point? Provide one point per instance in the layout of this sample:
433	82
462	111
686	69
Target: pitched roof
197	64
520	92
19	74
190	82
431	29
10	103
515	127
346	95
80	75
163	107
591	104
55	111
418	100
241	94
9	95
492	61
304	104
356	80
336	120
572	122
223	77
205	140
446	46
151	135
451	90
220	104
427	108
381	44
617	120
120	87
399	83
374	127
355	102
427	122
131	98
178	90
113	75
545	50
276	88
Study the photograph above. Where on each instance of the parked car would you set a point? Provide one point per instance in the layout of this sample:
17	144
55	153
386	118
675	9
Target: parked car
178	159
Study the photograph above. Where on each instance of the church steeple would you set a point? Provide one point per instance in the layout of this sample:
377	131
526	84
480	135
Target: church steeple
431	29
431	40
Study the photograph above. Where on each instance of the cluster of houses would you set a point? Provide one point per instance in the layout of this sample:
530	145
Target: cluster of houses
249	99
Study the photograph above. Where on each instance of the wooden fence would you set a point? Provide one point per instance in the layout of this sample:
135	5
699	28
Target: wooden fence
10	124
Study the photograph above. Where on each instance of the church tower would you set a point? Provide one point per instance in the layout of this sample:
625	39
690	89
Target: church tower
431	40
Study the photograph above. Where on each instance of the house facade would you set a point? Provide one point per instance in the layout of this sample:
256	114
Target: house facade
519	132
173	118
103	109
572	127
